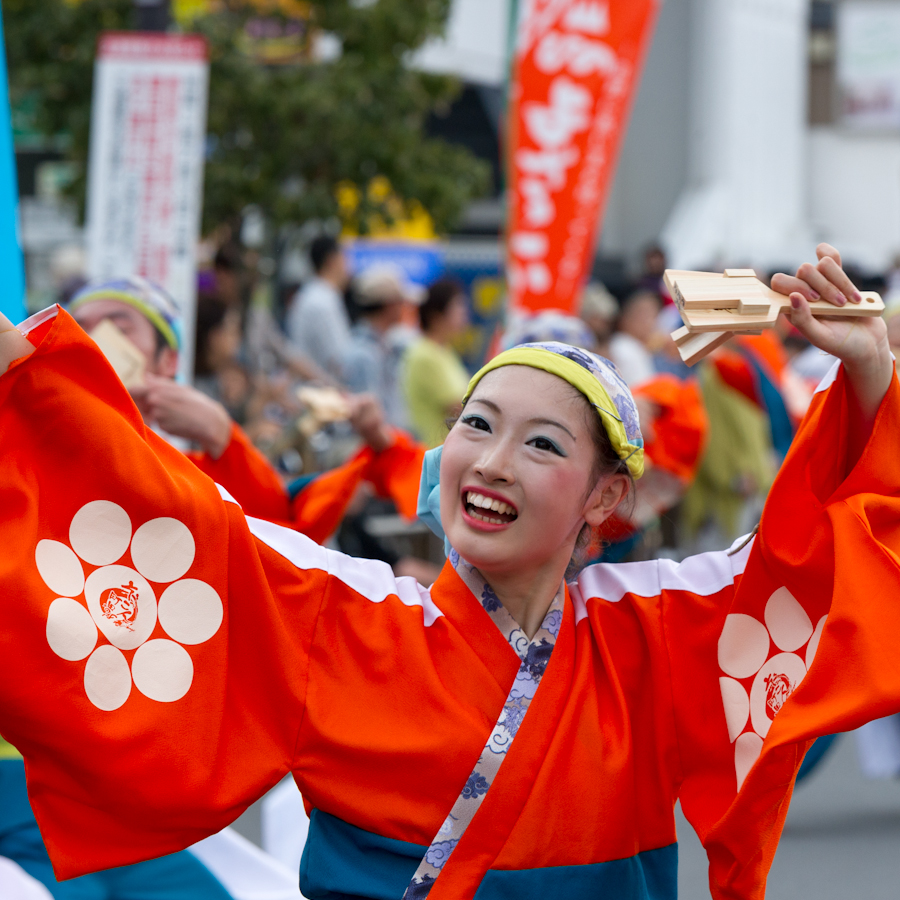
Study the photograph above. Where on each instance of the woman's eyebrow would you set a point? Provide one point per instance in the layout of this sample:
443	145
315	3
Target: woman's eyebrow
554	423
489	403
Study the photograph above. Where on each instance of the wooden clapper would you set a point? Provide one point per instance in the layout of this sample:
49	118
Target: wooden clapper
714	307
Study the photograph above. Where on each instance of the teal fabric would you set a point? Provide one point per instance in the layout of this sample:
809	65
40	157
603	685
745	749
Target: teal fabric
652	875
428	507
300	484
343	862
815	755
180	876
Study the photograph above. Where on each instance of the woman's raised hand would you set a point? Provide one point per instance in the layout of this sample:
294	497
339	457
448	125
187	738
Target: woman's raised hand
13	344
852	339
860	342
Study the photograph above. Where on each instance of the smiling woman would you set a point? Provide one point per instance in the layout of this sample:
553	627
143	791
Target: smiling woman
501	733
525	440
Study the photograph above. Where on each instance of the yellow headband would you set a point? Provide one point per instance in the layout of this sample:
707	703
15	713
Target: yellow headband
589	384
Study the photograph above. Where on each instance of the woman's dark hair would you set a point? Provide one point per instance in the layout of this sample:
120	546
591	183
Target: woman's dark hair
606	462
440	295
321	250
211	312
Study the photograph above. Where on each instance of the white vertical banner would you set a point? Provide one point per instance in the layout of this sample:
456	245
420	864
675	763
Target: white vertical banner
145	176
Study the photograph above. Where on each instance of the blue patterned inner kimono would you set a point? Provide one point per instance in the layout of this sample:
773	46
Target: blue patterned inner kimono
534	655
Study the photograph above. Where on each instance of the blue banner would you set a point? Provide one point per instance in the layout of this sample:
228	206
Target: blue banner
12	270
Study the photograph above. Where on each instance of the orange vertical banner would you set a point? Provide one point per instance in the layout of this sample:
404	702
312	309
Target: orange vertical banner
577	63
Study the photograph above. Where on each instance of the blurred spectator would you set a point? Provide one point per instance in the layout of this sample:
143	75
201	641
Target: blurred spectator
141	310
549	325
666	358
630	346
149	318
217	371
599	310
372	359
228	274
266	349
434	377
737	468
317	323
652	276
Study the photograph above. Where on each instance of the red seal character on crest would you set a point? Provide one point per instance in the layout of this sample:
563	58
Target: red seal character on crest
778	689
120	605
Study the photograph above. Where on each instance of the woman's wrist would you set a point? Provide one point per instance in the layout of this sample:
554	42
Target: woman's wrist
874	368
381	439
218	432
869	378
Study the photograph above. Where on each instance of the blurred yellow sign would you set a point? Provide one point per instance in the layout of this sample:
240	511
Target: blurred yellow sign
409	221
186	10
280	34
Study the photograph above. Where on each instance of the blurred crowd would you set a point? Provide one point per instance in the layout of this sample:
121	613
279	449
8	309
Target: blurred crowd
312	372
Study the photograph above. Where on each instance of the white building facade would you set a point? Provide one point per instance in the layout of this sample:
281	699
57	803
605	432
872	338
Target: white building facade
761	127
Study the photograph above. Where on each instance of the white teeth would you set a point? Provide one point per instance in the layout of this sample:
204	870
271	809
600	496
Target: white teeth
488	503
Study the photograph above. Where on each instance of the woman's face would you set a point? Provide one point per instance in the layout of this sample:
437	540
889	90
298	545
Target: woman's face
225	341
516	473
457	315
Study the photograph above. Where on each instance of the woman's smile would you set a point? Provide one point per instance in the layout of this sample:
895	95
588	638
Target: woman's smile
486	510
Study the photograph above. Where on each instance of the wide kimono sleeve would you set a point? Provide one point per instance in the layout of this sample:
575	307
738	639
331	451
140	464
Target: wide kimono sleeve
248	476
153	644
791	637
318	509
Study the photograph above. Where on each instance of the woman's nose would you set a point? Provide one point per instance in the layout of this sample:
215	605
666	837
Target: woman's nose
495	464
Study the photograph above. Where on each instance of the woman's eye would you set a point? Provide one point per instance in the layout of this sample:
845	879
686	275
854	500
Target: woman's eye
541	443
477	422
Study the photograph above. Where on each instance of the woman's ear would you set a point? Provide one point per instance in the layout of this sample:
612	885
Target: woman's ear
604	499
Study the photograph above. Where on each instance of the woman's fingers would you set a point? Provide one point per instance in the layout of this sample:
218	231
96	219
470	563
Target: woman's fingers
825	280
787	284
822	283
831	269
824	250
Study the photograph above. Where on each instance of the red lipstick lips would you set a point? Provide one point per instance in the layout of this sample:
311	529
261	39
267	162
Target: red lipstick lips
486	510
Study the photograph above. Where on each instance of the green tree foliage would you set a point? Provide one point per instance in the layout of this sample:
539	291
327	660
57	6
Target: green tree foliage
283	137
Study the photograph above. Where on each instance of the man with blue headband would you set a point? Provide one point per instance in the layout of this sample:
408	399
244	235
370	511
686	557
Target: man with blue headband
149	318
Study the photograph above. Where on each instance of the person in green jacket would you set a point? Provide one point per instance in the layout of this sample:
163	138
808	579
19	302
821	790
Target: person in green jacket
434	377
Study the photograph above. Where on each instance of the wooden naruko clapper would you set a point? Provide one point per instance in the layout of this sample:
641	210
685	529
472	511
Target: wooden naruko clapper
715	306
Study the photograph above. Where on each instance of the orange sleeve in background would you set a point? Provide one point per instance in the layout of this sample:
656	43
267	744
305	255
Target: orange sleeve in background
248	476
680	431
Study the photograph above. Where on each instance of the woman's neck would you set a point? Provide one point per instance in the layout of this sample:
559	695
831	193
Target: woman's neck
527	596
438	335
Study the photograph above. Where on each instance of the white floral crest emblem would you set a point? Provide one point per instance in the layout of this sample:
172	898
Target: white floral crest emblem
763	665
117	602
